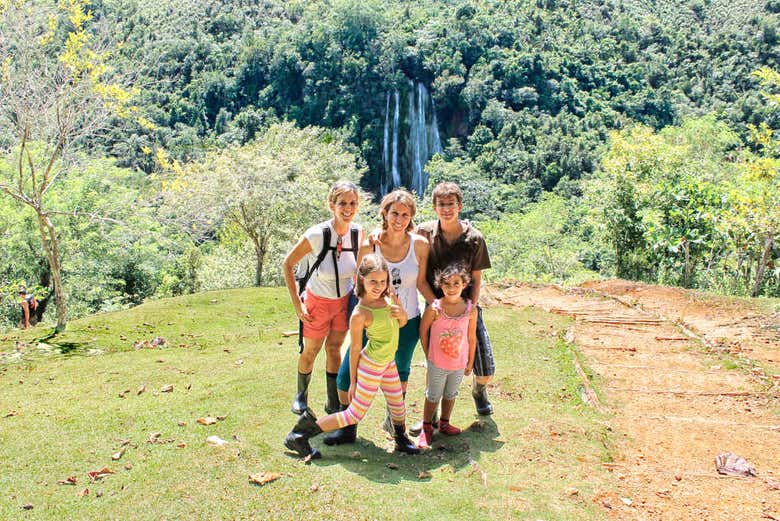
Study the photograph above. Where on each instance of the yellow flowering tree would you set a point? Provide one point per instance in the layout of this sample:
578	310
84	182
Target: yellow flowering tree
57	91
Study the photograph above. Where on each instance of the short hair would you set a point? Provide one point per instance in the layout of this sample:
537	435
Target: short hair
398	196
342	187
447	189
443	274
369	264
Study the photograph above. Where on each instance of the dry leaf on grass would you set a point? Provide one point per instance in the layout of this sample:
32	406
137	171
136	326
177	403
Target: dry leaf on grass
84	492
123	393
117	455
28	506
141	390
128	466
424	475
70	480
392	466
239	362
9	414
261	478
208	420
153	437
220	418
99	474
166	388
182	445
216	441
181	423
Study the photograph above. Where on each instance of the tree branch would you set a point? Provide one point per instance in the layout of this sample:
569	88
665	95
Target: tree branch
92	216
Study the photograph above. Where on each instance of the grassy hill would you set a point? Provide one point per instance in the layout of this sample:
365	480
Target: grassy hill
69	403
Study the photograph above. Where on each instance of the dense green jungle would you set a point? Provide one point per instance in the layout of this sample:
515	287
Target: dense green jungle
158	148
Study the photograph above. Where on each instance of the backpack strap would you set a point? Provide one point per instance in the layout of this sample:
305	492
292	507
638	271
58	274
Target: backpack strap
320	257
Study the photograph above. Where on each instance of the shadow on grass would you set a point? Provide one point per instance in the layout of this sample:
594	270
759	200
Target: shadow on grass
453	452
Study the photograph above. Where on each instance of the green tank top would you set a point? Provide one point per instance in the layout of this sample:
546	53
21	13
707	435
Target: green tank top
382	335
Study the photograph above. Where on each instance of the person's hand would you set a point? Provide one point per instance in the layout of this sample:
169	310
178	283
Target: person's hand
396	309
303	314
351	391
374	238
467	371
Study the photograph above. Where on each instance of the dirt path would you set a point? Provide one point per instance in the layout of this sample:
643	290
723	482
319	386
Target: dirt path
671	401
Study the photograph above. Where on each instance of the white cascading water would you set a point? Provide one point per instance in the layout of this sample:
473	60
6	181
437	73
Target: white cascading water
421	141
385	182
396	120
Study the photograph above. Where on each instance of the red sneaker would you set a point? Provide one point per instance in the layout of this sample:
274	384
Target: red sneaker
426	438
449	429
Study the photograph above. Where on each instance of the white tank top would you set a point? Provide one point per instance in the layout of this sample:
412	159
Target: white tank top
323	281
403	278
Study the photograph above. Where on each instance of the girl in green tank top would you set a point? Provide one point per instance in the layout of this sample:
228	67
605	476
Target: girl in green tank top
371	368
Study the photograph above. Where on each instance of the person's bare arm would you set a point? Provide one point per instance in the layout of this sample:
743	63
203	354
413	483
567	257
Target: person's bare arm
425	328
357	323
421	250
476	285
293	257
472	340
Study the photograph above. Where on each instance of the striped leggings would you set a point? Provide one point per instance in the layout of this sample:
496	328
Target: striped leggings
370	378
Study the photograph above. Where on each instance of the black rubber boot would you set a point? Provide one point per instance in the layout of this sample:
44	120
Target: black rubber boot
402	441
342	436
332	405
479	393
298	439
300	403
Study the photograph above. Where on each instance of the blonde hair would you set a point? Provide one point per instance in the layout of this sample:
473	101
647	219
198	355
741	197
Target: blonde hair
398	196
371	263
340	188
447	189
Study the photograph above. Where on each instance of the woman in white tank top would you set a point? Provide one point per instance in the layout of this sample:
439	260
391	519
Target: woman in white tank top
406	254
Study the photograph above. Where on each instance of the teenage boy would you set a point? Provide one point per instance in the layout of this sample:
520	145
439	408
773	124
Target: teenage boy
456	241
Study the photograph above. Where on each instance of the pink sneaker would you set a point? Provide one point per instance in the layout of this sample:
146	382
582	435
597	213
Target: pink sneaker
426	437
449	429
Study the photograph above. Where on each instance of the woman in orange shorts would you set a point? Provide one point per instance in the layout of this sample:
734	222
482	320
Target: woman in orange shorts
323	307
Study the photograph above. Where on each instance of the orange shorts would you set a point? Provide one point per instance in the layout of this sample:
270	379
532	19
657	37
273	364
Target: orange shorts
328	314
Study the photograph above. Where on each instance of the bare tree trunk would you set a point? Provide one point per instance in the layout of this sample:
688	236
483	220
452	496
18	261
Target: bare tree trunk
761	266
50	245
687	268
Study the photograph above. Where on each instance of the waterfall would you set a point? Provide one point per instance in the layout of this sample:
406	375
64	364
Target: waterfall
384	183
396	116
418	131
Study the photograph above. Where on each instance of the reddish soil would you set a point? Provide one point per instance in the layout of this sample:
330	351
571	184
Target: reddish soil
681	377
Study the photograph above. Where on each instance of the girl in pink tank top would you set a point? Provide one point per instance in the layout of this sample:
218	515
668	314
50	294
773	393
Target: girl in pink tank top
448	334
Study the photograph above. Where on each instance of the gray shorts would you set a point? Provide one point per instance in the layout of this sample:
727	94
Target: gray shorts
442	382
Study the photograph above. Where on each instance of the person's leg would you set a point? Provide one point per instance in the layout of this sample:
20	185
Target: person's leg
448	402
391	388
368	380
333	351
436	379
311	347
484	368
408	337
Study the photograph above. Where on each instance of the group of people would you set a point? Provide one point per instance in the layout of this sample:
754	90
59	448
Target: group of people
369	285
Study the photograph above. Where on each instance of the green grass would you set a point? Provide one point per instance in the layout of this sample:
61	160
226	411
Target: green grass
226	356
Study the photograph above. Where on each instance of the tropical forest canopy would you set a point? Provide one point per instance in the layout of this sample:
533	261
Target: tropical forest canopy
631	138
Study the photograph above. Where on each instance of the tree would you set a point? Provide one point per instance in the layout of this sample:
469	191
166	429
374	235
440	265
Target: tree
264	192
57	92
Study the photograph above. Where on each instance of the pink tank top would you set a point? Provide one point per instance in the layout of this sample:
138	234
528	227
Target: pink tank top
449	342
